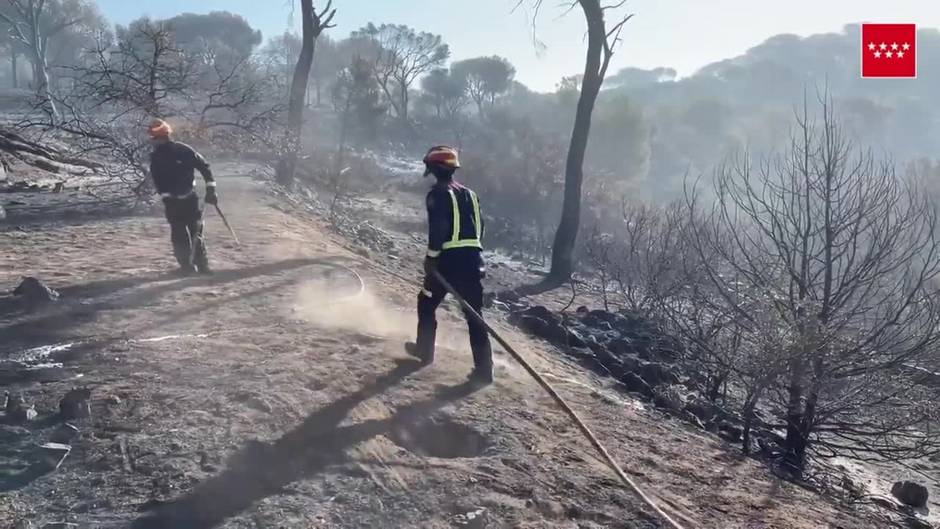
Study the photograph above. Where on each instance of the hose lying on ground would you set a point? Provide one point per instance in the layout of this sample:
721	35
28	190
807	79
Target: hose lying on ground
564	405
605	455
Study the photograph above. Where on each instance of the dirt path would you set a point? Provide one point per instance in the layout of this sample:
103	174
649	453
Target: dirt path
266	397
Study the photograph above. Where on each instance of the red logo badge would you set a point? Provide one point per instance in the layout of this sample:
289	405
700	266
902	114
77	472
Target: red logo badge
889	50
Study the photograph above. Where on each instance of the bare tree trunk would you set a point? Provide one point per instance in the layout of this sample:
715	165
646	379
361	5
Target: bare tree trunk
14	65
714	387
42	84
748	416
754	396
41	74
343	131
404	102
595	68
313	25
298	90
795	444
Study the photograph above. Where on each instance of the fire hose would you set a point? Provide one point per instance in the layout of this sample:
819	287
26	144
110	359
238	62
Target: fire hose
227	225
588	434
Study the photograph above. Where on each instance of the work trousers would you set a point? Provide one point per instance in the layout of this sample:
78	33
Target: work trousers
185	218
466	276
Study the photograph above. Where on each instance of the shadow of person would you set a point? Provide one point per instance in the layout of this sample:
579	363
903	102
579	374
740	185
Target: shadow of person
83	302
260	469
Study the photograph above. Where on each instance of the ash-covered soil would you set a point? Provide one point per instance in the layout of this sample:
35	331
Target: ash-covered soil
275	394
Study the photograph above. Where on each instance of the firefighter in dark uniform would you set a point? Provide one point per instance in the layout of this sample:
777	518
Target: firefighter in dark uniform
172	167
455	227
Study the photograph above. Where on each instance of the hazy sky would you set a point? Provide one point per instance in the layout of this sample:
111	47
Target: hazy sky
683	34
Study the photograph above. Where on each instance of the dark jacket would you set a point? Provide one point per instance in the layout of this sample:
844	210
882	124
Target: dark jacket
441	219
173	166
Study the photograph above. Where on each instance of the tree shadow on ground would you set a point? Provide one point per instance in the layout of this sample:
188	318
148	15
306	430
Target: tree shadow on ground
42	209
19	461
547	284
57	321
261	470
13	478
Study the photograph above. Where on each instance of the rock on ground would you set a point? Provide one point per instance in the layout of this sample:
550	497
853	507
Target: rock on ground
910	493
76	404
34	291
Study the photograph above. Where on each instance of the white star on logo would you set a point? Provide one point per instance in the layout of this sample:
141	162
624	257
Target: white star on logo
888	54
877	54
894	45
883	46
871	46
900	55
906	46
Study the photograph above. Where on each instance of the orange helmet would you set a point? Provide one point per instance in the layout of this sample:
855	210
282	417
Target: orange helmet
159	129
442	156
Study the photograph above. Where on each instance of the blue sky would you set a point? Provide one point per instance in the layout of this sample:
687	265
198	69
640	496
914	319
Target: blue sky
684	34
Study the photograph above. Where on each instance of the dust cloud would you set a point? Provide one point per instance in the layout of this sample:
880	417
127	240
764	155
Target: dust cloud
326	305
329	305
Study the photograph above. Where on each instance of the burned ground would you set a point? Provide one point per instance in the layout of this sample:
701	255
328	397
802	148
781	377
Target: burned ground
233	401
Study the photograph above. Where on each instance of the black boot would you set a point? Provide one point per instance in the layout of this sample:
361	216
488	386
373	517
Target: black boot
186	271
412	349
482	377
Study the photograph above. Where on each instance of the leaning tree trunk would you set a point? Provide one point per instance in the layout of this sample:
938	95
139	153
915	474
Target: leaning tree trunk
594	69
298	91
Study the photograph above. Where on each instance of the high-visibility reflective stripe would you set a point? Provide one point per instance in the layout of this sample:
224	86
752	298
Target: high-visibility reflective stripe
210	184
434	253
455	240
171	195
453	200
476	214
466	243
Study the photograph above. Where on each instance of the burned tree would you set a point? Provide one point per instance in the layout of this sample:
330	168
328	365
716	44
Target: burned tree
443	91
484	78
314	23
601	42
240	103
122	85
399	56
31	25
843	254
355	97
144	71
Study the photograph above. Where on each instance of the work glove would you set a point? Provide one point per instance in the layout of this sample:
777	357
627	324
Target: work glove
211	197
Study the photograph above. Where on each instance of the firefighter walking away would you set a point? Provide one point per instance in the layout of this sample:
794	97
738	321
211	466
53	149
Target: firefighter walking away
172	167
455	230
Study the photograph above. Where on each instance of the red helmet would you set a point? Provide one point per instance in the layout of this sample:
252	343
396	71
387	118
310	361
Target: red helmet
159	129
442	156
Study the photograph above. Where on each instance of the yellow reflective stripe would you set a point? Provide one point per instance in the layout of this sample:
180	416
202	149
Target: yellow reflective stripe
476	214
455	241
456	232
434	253
466	243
